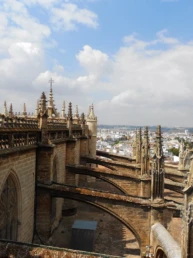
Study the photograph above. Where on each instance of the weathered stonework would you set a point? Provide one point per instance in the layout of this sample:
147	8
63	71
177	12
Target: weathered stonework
22	167
52	159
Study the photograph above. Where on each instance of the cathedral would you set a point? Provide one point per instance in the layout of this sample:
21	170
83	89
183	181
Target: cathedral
60	197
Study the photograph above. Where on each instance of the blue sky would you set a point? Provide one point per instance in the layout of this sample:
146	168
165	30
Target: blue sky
132	58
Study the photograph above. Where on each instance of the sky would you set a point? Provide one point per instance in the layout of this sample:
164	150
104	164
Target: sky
133	59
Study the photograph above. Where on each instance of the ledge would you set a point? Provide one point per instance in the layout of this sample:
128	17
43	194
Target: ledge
4	152
16	249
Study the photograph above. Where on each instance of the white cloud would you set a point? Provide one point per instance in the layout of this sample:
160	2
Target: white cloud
69	15
44	3
95	62
23	44
164	39
142	83
17	25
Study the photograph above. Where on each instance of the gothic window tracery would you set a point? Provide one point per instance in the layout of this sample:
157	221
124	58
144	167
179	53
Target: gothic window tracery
9	211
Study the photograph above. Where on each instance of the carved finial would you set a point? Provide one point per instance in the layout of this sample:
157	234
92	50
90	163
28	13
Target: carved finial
76	114
158	168
181	155
5	109
145	138
145	153
82	118
138	146
24	110
70	111
76	111
159	142
51	101
63	110
43	103
11	110
91	114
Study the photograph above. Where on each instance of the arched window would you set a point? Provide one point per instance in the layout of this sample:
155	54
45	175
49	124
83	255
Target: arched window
9	211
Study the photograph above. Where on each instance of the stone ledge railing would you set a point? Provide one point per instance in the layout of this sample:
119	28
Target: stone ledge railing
57	135
21	131
17	123
12	140
58	124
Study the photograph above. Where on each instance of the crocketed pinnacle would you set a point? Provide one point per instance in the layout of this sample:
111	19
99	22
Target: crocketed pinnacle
63	110
51	100
159	153
11	110
146	138
24	110
70	111
76	114
91	114
5	109
82	118
43	102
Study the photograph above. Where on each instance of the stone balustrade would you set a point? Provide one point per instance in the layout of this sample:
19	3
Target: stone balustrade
19	132
17	122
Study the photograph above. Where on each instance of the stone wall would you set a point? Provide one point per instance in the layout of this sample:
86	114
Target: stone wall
60	156
111	236
132	187
51	167
22	166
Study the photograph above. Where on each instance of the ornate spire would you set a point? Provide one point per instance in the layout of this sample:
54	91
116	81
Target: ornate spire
159	152
91	114
158	168
11	110
83	122
63	110
181	155
43	119
51	101
82	118
52	111
76	114
145	153
43	103
69	120
5	109
24	110
70	111
138	147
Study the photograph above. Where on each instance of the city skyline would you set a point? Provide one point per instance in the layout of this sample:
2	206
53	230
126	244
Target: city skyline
132	60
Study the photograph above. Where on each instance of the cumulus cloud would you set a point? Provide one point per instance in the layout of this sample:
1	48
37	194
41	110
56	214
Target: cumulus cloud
69	15
24	43
95	62
143	82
